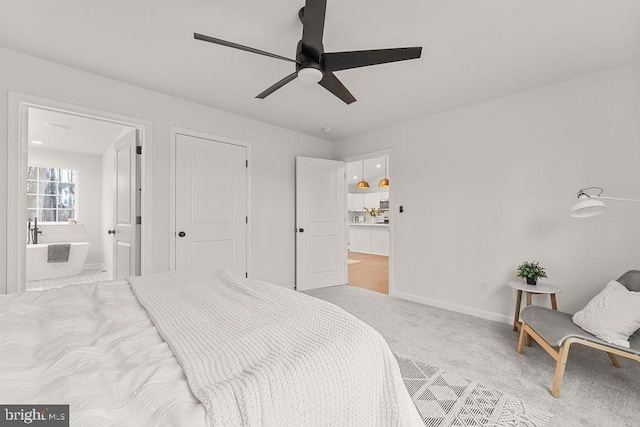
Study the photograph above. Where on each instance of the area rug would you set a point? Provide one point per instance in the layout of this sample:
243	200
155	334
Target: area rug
445	399
353	261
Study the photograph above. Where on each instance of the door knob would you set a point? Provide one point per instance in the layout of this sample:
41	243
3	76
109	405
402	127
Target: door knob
111	231
301	230
182	234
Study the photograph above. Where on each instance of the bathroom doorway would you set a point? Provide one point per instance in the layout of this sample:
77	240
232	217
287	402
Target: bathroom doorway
369	222
73	185
70	198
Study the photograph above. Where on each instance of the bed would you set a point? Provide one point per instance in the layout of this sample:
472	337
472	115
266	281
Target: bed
196	349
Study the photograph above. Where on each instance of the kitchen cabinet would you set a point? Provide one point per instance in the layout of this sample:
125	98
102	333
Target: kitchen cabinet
360	238
371	200
379	240
371	239
351	202
355	202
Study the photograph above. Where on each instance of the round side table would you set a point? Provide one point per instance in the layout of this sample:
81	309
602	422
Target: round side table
540	288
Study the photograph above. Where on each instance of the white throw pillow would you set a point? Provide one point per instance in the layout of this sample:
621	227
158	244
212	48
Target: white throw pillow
613	315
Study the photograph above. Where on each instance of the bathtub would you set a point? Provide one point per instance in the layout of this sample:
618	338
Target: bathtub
39	269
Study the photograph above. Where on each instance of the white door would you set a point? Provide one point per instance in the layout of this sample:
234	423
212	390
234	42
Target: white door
126	250
321	245
211	205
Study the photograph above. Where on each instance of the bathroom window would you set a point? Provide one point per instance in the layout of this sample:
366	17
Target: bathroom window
51	194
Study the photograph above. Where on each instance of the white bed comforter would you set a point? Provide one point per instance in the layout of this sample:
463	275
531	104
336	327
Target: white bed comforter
253	354
257	354
94	348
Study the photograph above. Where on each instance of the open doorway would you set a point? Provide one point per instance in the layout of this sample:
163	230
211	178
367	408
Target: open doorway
71	198
57	195
369	220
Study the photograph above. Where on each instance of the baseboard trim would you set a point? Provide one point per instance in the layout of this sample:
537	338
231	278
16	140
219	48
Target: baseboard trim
454	307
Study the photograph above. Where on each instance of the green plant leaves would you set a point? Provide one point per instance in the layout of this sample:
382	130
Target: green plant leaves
531	269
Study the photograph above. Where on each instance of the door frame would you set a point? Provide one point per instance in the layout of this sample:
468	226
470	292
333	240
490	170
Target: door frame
17	158
174	132
372	155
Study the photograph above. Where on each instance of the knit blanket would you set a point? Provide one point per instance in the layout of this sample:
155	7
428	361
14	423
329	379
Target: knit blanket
258	354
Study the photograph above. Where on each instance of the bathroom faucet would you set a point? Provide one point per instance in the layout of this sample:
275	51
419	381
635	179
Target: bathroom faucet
33	232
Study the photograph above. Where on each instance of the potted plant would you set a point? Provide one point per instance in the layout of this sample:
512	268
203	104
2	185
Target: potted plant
374	212
531	271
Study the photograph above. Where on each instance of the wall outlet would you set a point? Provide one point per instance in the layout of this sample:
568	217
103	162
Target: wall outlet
484	287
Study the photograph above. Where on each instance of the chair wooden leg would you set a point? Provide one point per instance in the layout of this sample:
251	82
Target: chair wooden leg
560	366
523	332
614	360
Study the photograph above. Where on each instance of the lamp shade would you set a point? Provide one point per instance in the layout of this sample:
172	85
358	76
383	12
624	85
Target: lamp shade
588	206
362	184
384	182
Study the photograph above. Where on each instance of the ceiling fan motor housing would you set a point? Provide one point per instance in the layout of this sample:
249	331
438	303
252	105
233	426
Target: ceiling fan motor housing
309	70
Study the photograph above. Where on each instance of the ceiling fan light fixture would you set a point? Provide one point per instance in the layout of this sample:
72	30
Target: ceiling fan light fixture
310	75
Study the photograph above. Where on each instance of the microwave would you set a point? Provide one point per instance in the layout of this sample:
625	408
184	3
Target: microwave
384	205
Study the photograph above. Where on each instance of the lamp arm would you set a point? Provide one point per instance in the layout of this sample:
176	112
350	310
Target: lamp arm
615	198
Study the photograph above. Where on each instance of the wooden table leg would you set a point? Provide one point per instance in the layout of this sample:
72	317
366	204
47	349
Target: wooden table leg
554	304
614	360
516	317
528	338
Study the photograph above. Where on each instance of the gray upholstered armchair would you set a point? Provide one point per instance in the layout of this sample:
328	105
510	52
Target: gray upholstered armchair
555	332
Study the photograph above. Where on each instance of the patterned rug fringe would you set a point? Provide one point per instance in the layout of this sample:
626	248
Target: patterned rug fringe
444	399
525	417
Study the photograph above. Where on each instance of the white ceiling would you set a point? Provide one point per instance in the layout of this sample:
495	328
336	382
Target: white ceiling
473	51
66	132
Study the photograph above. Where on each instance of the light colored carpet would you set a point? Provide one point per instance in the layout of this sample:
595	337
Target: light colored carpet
353	261
594	393
444	399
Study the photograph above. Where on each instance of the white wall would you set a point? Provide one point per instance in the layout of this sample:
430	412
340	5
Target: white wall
273	153
489	186
88	213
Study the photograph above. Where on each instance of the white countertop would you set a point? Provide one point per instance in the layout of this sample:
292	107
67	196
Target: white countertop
368	224
540	288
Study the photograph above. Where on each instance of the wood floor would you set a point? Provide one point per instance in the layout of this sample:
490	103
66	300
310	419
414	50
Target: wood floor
371	273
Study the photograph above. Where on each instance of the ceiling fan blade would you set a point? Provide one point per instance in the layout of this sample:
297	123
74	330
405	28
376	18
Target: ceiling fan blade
277	86
313	27
331	83
238	46
362	58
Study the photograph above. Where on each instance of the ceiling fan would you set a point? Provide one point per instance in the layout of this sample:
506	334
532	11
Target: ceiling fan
313	65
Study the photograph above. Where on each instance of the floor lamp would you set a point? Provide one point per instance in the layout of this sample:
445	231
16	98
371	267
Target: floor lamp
592	204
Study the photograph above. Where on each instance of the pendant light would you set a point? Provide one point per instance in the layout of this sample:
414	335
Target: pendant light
362	183
384	182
